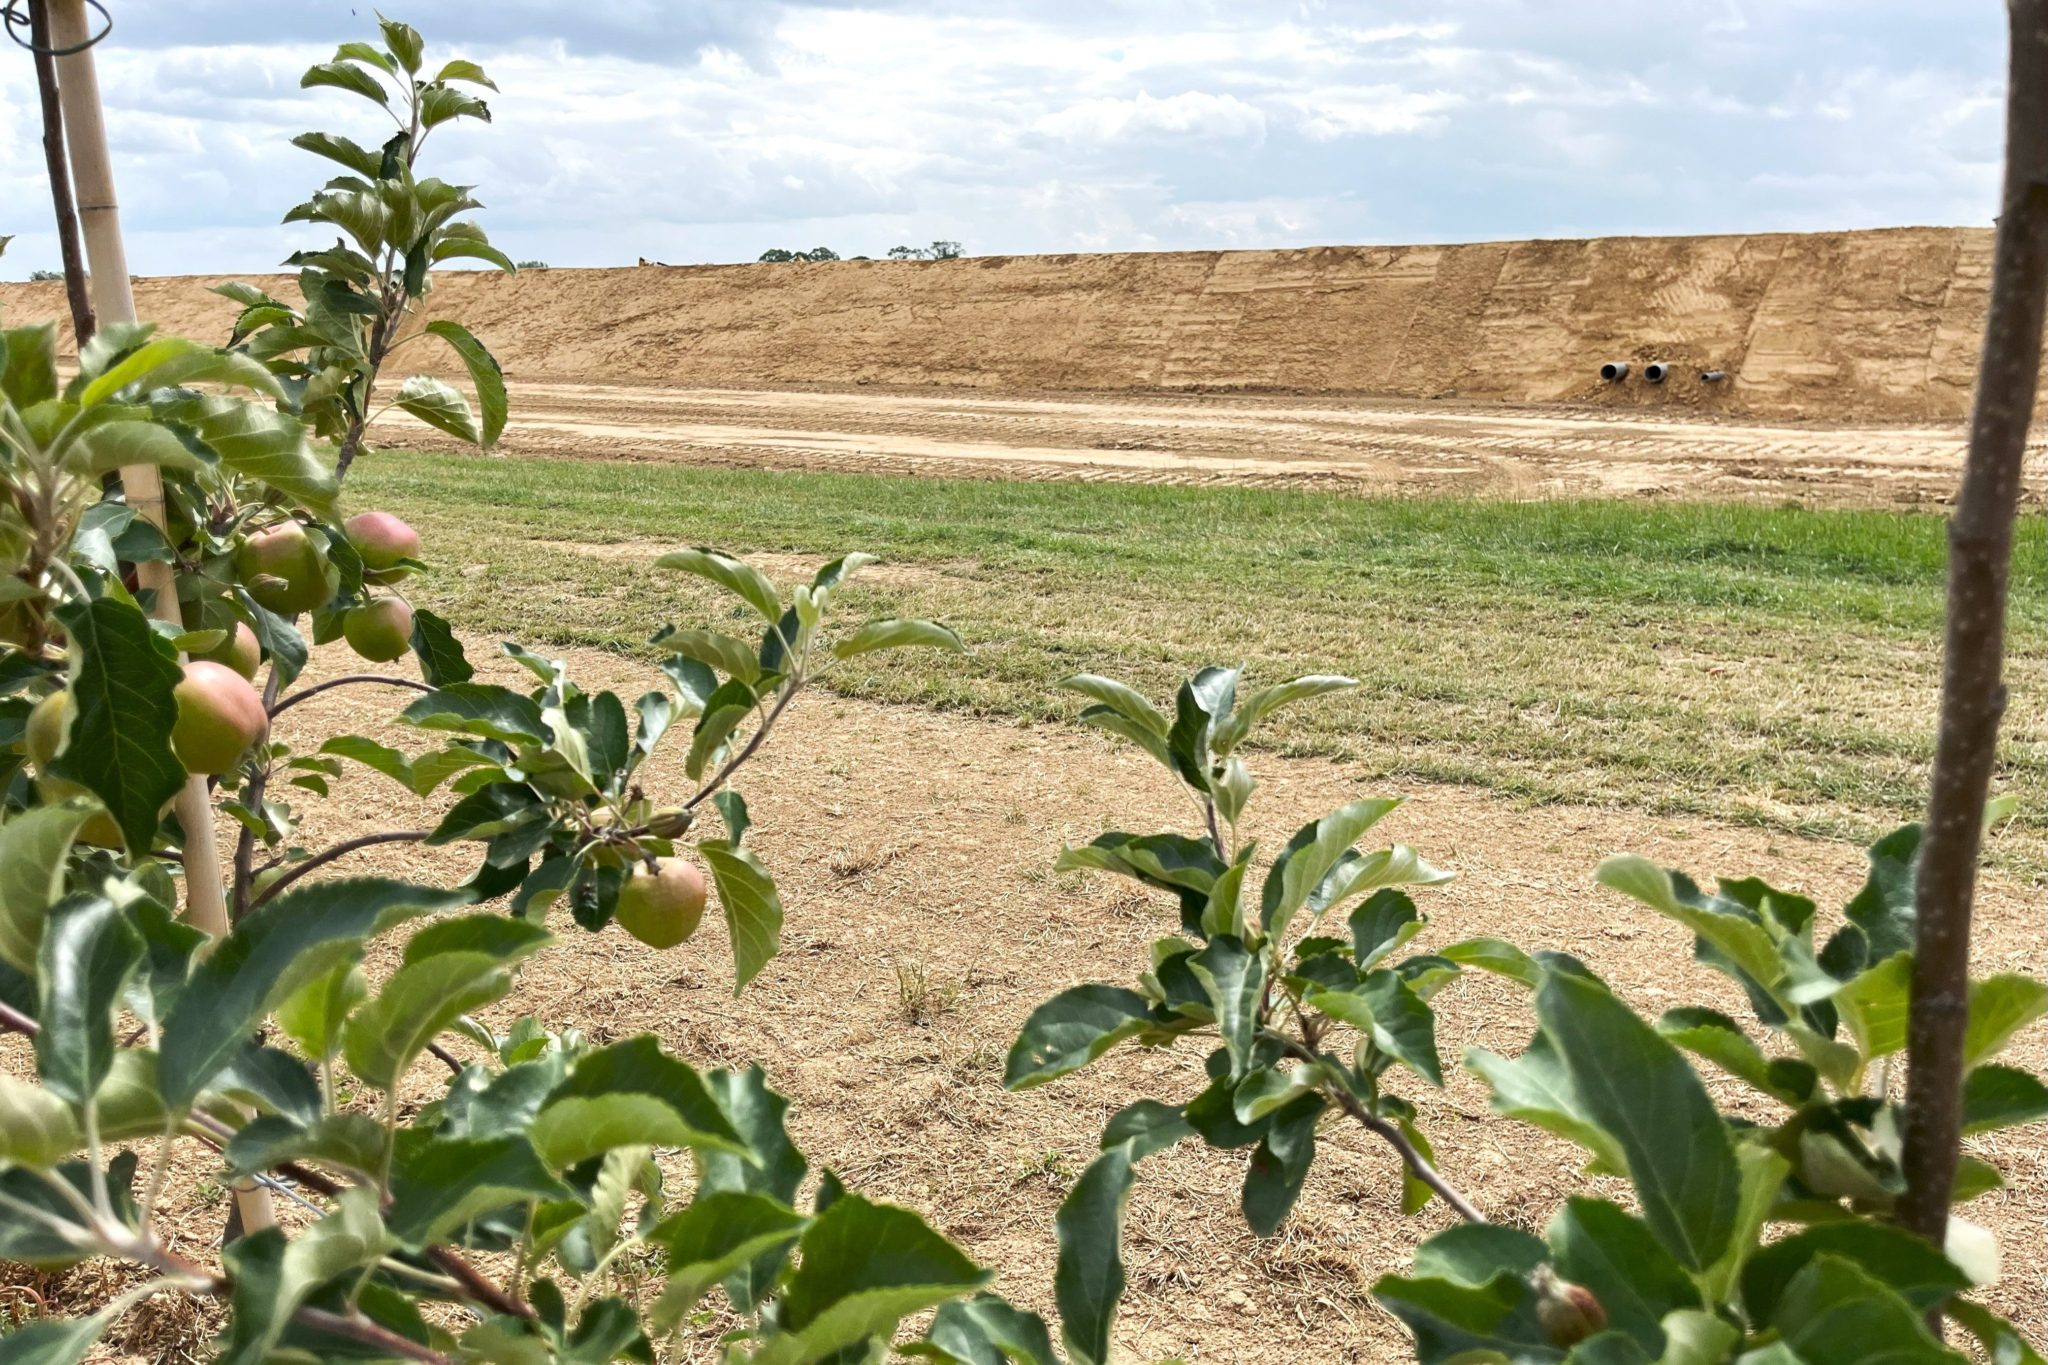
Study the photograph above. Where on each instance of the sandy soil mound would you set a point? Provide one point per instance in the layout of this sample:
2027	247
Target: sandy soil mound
1878	324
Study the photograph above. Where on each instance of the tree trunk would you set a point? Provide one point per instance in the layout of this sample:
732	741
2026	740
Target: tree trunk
1972	690
82	323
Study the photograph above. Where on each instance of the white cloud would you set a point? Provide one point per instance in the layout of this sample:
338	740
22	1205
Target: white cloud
711	130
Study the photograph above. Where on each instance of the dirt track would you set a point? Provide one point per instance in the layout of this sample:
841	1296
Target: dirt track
1358	445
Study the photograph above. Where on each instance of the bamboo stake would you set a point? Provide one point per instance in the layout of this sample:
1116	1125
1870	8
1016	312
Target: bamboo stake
99	213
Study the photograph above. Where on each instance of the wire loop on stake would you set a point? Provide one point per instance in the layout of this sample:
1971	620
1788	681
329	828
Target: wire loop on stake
15	16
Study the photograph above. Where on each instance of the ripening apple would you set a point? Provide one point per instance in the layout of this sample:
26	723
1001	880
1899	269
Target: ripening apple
219	717
662	908
381	630
43	737
288	554
239	651
382	540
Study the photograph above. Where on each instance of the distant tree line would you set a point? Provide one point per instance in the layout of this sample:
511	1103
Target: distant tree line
937	251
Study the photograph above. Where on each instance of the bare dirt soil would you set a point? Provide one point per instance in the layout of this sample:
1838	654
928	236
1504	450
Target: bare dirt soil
1866	325
1342	444
914	850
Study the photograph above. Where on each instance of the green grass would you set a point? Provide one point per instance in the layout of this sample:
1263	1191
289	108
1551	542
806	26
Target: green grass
1773	665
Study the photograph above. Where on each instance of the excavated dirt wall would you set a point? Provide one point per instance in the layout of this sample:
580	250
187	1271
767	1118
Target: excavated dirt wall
1836	325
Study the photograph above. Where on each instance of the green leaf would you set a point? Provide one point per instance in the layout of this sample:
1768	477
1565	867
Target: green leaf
483	709
2002	1097
725	710
719	1233
1833	1313
120	745
773	1167
988	1330
1881	917
459	70
29	373
1124	701
1172	862
1235	979
1612	1253
1267	700
345	76
87	954
1071	1030
1763	1178
54	1341
440	405
1638	1087
2002	1342
1714	1036
752	908
1279	1164
1741	941
1386	1008
301	935
1915	1270
863	1268
1695	1336
1499	957
484	373
36	1128
1537	1089
2000	1006
1223	916
272	1278
1471	1254
1382	925
1262	1092
419	1001
719	651
353	1143
439	652
1088	1280
728	573
439	1183
440	103
258	441
630	1094
109	447
1452	1320
172	362
34	845
1309	857
1874	1006
1148	1127
404	42
894	634
24	1238
1202	703
364	162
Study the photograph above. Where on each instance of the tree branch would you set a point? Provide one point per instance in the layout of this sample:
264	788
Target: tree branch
340	850
1972	688
1414	1160
754	742
83	324
305	693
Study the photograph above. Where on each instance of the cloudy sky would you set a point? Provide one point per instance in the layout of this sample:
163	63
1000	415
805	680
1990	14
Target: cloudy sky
708	130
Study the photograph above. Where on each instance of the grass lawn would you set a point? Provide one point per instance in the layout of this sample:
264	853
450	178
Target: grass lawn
1771	665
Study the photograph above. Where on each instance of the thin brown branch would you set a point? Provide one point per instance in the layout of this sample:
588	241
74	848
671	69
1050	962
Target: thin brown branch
83	323
356	1327
1972	686
15	1021
340	850
732	765
1414	1160
305	693
252	798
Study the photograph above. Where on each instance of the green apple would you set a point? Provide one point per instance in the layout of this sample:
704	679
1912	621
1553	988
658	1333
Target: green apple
287	554
381	630
663	907
219	717
49	722
382	540
239	651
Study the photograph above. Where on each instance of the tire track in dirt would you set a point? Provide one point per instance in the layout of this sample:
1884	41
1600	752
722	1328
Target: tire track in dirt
1348	445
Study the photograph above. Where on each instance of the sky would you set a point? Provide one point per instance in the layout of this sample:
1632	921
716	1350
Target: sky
710	130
